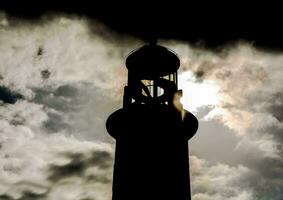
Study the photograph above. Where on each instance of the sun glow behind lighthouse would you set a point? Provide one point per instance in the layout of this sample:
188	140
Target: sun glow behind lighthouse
197	94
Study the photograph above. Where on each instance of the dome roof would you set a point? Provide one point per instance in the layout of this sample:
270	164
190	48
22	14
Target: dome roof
152	61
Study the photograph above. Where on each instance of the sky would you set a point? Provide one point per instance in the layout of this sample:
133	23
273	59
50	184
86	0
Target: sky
62	75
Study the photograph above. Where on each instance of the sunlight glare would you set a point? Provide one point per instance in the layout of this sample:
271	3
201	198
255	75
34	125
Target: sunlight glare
197	94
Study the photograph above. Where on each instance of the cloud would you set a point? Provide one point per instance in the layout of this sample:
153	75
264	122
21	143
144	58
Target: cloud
38	165
250	87
62	47
65	77
70	74
219	181
48	165
79	165
91	170
62	64
8	96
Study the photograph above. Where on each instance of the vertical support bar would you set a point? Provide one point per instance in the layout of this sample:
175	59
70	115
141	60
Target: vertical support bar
154	89
151	88
176	79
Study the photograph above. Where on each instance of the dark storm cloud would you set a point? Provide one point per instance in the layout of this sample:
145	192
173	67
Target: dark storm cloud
276	106
199	74
26	195
73	108
32	196
64	98
78	165
6	197
28	191
8	96
203	70
45	74
66	91
56	123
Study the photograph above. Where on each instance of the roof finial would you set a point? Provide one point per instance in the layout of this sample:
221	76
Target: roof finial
153	41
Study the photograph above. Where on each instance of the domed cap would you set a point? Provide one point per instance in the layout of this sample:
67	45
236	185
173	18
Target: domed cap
152	61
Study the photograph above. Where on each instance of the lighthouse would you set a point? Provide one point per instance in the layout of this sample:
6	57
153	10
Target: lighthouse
152	130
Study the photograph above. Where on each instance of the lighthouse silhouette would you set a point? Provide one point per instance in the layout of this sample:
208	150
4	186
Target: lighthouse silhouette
152	130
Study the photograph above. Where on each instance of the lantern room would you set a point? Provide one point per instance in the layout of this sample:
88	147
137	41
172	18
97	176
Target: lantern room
152	76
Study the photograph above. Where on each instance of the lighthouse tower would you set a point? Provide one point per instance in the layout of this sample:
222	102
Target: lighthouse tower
151	130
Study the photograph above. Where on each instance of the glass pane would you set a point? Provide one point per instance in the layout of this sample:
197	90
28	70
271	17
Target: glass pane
167	77
147	88
160	91
172	77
